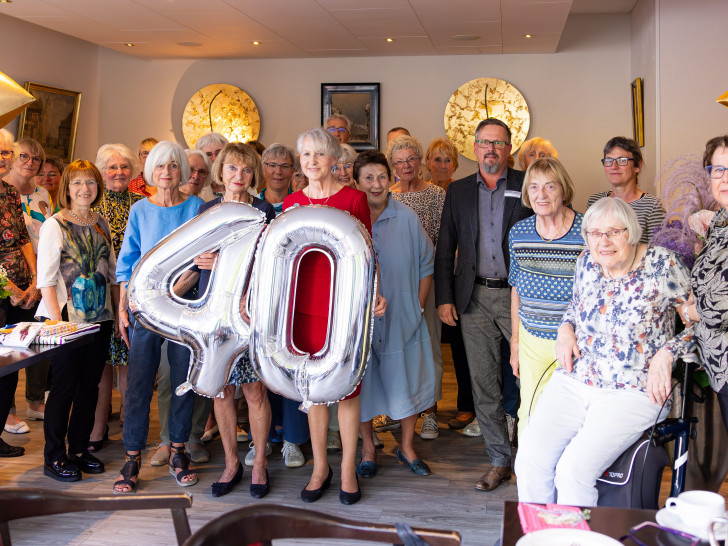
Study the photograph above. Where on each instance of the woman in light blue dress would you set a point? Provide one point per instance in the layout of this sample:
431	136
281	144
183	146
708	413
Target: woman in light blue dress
400	378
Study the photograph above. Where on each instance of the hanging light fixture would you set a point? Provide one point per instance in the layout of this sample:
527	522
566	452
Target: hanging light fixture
13	99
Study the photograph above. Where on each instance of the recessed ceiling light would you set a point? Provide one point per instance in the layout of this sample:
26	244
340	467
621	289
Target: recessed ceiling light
528	35
189	44
256	43
464	37
390	39
6	1
129	45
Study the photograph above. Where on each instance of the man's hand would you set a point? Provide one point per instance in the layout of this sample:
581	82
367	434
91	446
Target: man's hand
447	313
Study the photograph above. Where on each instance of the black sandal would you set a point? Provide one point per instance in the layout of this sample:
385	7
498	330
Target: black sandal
128	471
180	460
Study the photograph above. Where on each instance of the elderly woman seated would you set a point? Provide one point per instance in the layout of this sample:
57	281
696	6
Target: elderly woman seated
615	348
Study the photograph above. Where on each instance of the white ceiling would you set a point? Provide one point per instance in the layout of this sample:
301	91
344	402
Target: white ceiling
172	29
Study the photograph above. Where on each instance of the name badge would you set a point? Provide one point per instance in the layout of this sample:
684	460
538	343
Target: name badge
513	193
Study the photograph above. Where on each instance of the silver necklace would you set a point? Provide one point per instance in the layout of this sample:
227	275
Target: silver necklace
82	222
311	202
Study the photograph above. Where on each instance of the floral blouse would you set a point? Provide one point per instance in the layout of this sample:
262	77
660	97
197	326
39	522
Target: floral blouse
13	236
621	323
710	287
115	206
428	205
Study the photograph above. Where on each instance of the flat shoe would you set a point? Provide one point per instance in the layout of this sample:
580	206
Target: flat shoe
35	415
6	450
161	457
350	498
461	420
367	469
87	463
312	495
418	466
260	490
62	470
20	428
223	488
198	454
209	434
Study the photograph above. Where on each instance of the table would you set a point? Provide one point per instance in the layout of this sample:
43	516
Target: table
22	358
613	522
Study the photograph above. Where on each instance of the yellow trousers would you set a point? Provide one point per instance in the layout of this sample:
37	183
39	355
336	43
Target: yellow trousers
535	355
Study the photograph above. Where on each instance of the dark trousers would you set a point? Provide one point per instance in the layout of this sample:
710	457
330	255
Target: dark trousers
460	361
7	395
293	422
722	402
71	404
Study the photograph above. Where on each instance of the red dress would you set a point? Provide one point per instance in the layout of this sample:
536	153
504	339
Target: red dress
310	320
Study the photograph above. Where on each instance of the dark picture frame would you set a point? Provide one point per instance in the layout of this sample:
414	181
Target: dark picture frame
52	119
638	108
360	103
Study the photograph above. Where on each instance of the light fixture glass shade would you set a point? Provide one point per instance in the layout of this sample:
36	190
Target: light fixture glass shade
13	99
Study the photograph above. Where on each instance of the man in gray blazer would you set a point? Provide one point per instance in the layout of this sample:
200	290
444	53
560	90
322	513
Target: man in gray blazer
479	212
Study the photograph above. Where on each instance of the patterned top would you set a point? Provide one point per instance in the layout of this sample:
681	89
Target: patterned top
648	208
77	260
621	323
36	210
115	206
710	287
428	205
139	186
13	236
543	274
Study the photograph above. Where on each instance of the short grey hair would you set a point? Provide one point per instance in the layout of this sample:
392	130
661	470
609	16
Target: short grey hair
348	154
208	164
404	142
279	150
107	151
323	142
620	211
164	152
342	117
210	139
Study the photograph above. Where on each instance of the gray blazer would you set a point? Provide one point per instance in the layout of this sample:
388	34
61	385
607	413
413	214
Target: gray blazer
459	232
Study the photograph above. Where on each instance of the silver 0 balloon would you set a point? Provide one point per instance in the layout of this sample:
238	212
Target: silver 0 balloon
212	325
333	372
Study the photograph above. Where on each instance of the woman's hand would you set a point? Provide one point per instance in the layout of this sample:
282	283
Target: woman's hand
566	347
206	260
123	325
380	305
514	356
16	294
659	376
31	296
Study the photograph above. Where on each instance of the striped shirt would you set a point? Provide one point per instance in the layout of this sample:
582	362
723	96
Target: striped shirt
543	274
650	212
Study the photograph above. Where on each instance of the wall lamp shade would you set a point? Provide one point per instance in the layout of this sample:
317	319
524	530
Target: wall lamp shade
723	99
13	99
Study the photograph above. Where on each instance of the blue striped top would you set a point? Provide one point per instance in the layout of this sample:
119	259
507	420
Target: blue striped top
543	274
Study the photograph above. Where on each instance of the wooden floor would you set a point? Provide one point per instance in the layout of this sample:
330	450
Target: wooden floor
444	500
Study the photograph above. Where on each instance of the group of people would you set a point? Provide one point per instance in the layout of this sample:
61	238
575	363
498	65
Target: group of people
580	307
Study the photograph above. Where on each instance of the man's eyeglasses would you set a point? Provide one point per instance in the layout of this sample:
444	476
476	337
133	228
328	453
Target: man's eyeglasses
596	236
333	130
715	171
202	172
274	166
497	144
621	161
32	158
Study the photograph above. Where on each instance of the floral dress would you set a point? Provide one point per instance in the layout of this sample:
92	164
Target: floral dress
13	237
115	207
428	205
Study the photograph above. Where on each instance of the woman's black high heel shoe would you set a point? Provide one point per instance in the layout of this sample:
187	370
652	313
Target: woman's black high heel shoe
350	498
223	488
308	495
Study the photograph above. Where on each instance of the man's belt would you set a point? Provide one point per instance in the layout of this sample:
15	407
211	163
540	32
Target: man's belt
489	282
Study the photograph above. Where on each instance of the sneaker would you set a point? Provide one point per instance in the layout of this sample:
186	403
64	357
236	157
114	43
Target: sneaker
378	444
382	423
510	425
250	457
333	440
473	429
430	430
292	455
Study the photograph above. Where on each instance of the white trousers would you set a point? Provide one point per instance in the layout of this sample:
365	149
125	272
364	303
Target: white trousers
575	432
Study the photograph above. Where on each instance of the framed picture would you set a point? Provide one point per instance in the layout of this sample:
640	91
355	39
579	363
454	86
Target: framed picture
52	119
360	103
638	117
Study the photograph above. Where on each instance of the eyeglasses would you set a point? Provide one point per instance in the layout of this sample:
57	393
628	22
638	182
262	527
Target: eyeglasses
596	236
716	171
410	159
6	153
497	144
32	158
274	166
79	183
144	154
621	161
202	172
333	130
51	174
346	165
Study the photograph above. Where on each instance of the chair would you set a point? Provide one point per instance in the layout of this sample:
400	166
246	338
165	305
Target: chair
17	503
266	522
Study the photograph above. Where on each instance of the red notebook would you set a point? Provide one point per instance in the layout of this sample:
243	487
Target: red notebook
535	517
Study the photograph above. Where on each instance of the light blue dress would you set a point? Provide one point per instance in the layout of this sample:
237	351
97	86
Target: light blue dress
400	378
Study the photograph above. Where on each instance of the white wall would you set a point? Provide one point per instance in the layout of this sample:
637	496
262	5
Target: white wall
39	55
579	97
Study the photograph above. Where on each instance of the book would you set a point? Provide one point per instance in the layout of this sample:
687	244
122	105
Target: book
535	517
60	332
22	334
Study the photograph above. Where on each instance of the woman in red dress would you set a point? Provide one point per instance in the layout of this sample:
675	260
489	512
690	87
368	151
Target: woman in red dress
320	152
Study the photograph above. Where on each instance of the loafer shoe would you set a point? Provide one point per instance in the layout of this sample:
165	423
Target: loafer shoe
472	430
20	428
461	420
367	469
209	434
198	454
35	415
418	466
493	478
87	463
6	450
161	456
62	470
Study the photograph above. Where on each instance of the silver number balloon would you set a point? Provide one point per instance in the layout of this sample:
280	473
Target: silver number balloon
212	326
337	368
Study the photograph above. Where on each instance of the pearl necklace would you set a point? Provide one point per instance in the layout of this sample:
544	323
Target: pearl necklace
82	222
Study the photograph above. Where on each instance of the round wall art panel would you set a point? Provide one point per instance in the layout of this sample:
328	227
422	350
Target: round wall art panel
484	98
222	108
